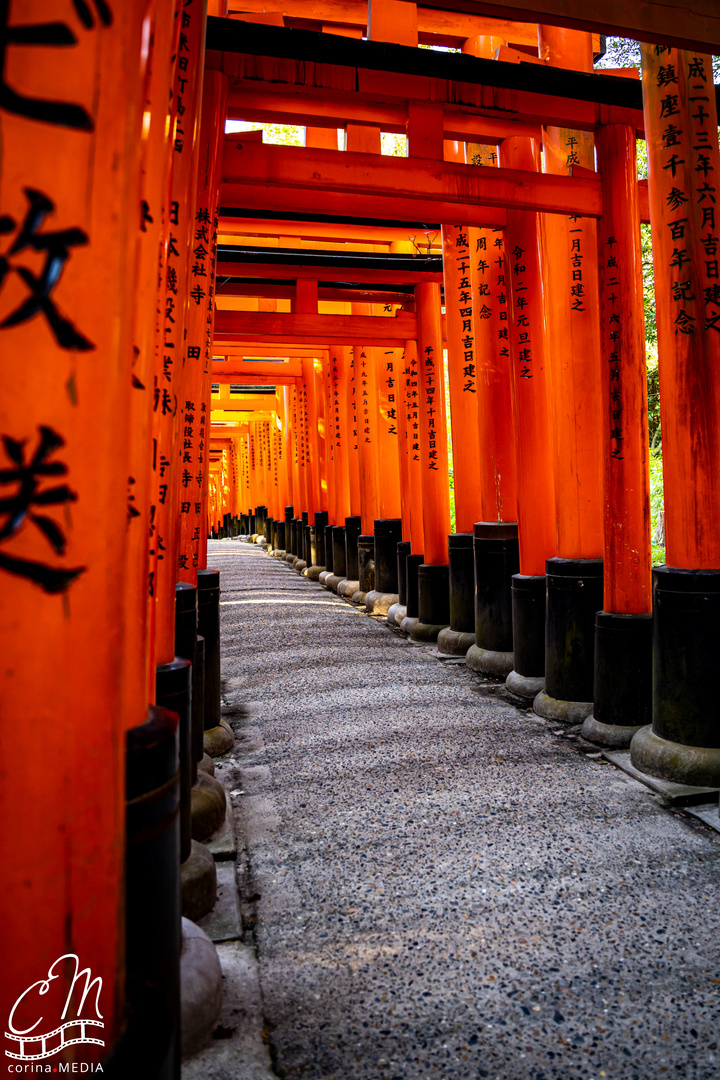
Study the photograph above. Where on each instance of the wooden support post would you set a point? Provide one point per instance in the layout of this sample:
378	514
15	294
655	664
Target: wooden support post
684	164
69	199
177	288
574	582
196	383
533	437
433	437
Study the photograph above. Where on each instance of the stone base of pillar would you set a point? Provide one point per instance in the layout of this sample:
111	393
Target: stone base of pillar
379	603
207	806
525	686
697	766
348	588
278	554
408	623
454	642
396	614
218	740
312	573
333	582
299	565
358	597
322	578
612	735
426	631
289	558
490	662
200	988
568	712
198	883
206	764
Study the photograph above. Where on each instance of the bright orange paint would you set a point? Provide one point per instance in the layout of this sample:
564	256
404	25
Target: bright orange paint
64	415
683	162
530	389
433	435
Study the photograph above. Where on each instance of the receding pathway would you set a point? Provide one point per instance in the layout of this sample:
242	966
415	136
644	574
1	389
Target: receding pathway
433	884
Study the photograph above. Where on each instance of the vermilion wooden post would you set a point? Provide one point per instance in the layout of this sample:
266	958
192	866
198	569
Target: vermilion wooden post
409	429
684	165
69	219
462	370
353	404
387	364
494	542
574	580
433	595
156	158
533	436
168	401
367	417
201	316
623	629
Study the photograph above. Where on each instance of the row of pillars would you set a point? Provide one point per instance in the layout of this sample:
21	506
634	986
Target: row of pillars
109	193
547	385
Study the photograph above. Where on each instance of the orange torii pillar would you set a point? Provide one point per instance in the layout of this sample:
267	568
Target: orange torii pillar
533	437
72	142
574	578
209	735
433	589
353	521
495	541
495	535
456	639
410	553
623	630
387	527
341	424
683	743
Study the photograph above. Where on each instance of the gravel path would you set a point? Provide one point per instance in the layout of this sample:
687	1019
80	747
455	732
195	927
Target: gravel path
437	886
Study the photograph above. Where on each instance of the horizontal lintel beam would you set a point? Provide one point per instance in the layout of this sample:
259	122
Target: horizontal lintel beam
331	329
306	178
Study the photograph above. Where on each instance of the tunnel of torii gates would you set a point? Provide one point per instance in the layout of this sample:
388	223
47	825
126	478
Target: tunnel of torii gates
147	259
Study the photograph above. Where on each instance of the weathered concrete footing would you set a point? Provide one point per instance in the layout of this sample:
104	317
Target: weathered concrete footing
200	988
454	642
218	740
347	588
489	662
379	603
207	806
396	614
198	882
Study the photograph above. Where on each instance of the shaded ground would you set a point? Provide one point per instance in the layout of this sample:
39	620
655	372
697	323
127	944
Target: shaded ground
434	884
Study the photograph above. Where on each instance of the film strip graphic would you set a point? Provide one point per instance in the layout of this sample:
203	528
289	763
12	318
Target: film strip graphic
54	1048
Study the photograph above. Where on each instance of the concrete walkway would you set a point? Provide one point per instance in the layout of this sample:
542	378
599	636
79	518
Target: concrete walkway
433	884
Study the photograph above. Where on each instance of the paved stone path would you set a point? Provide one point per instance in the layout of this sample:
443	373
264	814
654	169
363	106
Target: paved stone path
433	884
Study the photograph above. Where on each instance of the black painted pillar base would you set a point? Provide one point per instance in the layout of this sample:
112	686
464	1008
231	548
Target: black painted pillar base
173	691
279	550
397	612
574	596
316	547
459	636
527	678
218	737
329	556
623	692
388	534
412	569
332	580
496	559
433	602
152	902
683	744
351	584
366	568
